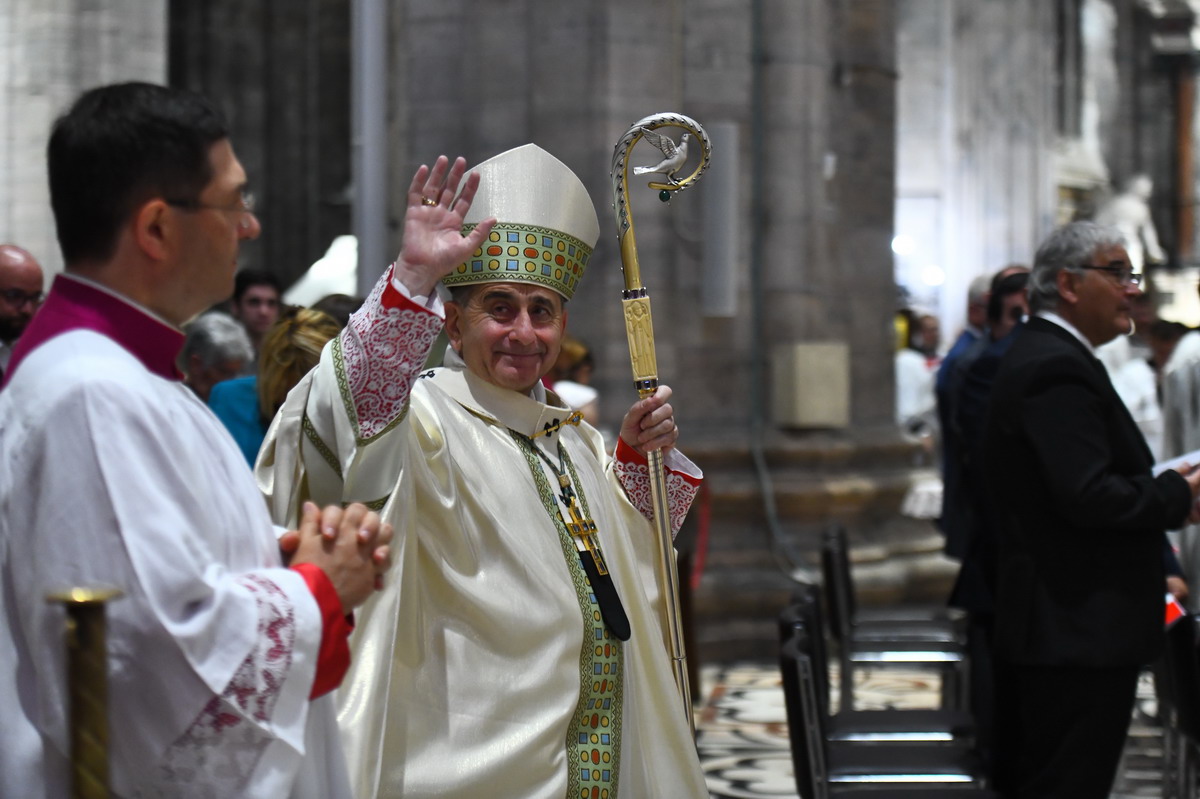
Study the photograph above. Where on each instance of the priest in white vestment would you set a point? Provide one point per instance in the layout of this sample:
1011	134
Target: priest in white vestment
518	650
221	662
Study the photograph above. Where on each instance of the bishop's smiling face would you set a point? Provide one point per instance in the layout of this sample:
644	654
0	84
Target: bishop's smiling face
509	334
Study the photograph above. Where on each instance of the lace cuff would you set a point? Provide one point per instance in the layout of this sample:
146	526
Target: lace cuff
683	482
220	744
379	355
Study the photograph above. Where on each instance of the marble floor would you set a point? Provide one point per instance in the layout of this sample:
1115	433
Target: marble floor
742	729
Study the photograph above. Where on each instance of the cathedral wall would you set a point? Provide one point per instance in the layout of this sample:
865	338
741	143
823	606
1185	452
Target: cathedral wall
279	69
573	78
975	143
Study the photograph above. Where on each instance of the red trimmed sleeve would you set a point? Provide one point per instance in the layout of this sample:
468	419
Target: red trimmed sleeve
633	471
392	297
381	352
333	659
628	455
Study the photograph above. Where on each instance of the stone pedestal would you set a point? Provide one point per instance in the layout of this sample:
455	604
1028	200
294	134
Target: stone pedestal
857	479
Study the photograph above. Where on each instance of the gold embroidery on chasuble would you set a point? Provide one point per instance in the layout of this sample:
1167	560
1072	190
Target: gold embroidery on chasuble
324	450
594	734
375	504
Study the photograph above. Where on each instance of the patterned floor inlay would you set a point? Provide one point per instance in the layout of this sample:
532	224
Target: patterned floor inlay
742	729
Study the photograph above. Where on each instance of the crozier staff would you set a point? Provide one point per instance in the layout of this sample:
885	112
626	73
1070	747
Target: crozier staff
639	332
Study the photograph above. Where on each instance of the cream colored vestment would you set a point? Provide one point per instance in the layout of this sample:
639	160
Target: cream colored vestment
467	668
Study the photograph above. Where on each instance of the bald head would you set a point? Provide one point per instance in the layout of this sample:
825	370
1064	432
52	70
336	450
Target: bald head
21	284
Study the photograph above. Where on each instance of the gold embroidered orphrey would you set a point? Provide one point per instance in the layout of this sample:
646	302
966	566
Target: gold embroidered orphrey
594	734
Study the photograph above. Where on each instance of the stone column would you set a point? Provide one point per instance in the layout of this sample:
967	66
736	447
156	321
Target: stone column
862	183
50	51
280	71
828	121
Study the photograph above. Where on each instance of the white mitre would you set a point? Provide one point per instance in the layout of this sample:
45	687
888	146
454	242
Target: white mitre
546	226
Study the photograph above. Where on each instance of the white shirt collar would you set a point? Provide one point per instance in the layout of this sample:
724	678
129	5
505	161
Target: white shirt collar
1050	316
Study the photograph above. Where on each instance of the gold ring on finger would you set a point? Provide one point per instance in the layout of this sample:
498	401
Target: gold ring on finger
427	201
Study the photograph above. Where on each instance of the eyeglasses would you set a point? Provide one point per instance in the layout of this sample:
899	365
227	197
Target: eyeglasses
18	298
1124	275
244	208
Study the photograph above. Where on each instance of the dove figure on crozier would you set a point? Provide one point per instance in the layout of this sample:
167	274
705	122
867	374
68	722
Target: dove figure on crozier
676	155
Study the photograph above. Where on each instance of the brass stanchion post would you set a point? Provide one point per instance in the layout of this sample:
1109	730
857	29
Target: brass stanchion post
87	688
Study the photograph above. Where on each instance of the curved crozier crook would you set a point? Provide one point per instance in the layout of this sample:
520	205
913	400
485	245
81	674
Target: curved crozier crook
619	174
620	163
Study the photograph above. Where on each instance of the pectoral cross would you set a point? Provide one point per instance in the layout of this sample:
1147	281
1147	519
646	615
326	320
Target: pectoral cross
585	530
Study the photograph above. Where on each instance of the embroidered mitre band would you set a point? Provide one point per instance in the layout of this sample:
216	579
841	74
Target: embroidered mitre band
546	226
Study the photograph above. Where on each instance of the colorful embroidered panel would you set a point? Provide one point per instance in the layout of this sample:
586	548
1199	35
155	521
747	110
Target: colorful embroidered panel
525	253
594	735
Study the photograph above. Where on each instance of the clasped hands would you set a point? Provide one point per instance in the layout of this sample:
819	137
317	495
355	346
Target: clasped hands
351	545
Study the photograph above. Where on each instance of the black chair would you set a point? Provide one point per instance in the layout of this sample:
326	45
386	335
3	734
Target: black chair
935	725
895	623
931	643
826	769
1178	676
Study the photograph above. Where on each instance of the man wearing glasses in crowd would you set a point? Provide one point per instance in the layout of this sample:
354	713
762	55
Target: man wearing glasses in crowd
21	284
1079	525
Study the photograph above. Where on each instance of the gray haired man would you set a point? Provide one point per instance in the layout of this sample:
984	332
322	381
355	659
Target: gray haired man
1079	524
217	348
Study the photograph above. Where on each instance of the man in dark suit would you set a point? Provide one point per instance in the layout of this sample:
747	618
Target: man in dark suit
1079	523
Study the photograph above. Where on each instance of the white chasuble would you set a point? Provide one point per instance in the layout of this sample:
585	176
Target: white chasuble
484	667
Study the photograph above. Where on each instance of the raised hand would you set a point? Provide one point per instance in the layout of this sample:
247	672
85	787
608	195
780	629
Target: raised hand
433	241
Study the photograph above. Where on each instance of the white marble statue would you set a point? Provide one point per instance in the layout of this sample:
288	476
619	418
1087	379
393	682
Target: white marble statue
1129	212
